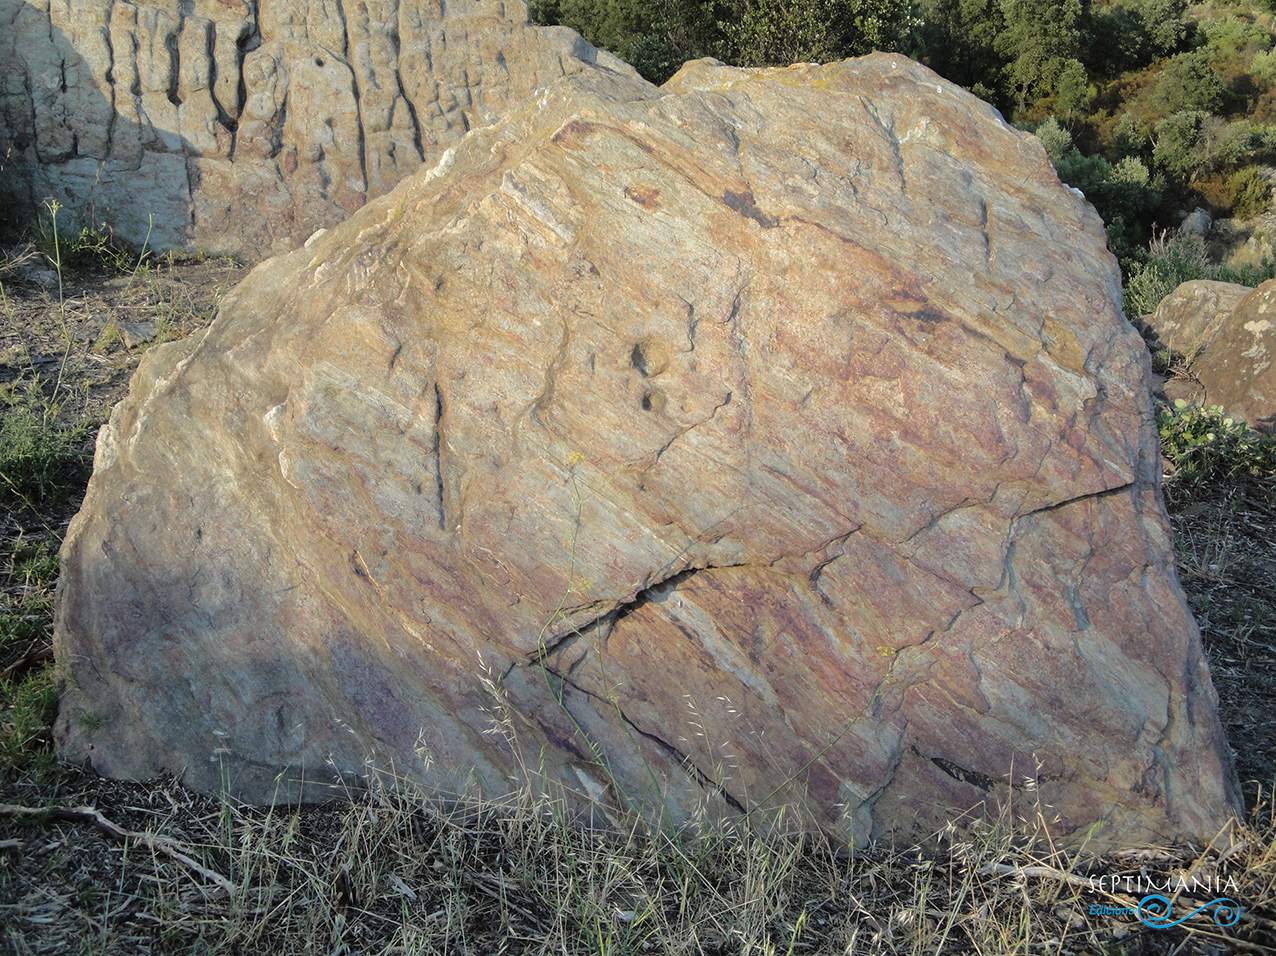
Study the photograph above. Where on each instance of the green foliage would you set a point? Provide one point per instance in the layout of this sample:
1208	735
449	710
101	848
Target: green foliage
1193	142
1173	260
1170	262
1206	444
1237	142
1129	36
1164	26
1190	83
30	707
88	246
1056	140
605	23
1186	143
1038	39
1128	137
1251	192
1263	65
1234	34
1073	91
654	56
1124	194
28	698
768	32
42	459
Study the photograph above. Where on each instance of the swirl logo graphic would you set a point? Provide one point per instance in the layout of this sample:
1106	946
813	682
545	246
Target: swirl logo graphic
1154	911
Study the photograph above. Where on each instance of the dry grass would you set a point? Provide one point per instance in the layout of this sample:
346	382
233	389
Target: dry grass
394	870
107	867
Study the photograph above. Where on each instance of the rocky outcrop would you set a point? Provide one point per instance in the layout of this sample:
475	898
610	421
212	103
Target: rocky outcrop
242	127
774	437
1226	336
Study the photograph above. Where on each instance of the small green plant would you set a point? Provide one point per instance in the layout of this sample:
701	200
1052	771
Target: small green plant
1207	444
42	458
31	704
88	246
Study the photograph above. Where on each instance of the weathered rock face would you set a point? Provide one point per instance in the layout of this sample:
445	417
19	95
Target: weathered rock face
244	126
1189	317
771	437
1227	333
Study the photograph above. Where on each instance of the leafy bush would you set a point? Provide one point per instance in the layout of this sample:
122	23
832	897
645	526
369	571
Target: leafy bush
1124	194
1206	444
1170	263
1234	34
1263	65
1186	143
85	247
1190	82
653	56
1251	192
1173	259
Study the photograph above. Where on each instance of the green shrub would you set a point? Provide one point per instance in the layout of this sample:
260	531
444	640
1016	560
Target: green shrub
1188	83
1207	444
1263	65
653	56
1251	192
1173	259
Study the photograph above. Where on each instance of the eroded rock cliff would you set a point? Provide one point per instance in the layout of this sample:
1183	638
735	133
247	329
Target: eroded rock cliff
242	127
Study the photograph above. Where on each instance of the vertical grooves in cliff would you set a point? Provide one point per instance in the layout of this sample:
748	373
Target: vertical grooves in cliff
397	42
358	100
437	455
110	79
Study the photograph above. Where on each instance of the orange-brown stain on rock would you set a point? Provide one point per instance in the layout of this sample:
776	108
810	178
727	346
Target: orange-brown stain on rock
646	196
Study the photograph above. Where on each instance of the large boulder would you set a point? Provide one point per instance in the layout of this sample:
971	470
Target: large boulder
773	437
1226	334
242	127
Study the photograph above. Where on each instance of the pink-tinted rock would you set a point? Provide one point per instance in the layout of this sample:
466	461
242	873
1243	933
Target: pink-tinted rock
1238	369
774	437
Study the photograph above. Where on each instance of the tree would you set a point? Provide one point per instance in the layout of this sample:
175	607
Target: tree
1164	24
1037	40
779	32
957	39
1186	143
1072	89
1190	83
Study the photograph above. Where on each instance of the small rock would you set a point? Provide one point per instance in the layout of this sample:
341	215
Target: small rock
137	333
90	328
1197	224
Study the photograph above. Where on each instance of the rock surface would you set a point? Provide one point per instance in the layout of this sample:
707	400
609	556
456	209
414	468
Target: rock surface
1189	317
243	127
774	437
1227	335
